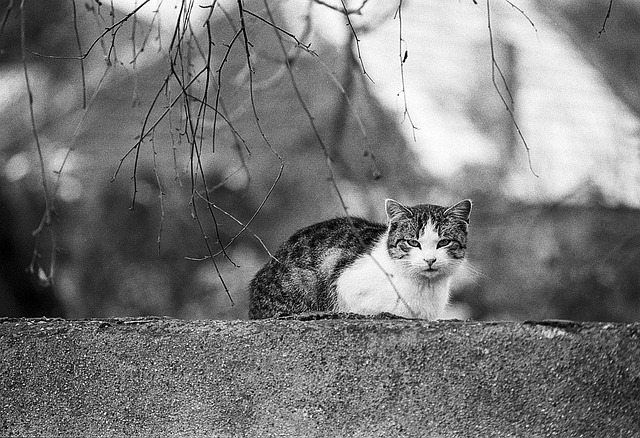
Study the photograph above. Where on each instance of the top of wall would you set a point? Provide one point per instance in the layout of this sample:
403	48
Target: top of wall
317	377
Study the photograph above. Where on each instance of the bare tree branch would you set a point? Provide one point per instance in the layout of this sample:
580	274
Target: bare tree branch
354	11
356	39
404	53
523	14
113	29
82	73
312	123
7	12
606	18
305	47
494	67
48	215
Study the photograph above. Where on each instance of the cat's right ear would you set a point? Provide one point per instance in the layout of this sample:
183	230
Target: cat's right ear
395	210
461	210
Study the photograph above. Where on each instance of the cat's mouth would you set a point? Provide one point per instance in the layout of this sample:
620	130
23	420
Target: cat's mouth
430	272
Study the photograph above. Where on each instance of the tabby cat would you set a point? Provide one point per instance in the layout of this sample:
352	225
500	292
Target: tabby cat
349	264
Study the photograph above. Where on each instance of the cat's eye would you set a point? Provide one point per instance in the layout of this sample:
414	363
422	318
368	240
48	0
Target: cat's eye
413	243
443	242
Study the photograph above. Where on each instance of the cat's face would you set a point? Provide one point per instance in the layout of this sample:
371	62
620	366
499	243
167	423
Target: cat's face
428	240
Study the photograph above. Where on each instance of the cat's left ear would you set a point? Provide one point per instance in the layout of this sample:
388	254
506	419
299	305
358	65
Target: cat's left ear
461	210
395	210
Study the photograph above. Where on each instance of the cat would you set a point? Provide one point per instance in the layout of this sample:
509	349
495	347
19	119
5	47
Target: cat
352	265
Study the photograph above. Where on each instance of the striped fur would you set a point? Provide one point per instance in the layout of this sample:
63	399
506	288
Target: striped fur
353	265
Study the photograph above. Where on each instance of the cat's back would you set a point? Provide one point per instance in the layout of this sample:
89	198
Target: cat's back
315	246
343	232
301	275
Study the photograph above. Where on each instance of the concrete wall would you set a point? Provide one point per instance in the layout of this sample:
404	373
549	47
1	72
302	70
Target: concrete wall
317	376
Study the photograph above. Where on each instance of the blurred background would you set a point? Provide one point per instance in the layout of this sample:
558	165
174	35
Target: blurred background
152	131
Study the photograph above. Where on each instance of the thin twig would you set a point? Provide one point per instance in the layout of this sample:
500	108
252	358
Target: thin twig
255	213
257	210
202	111
219	89
305	47
77	33
161	194
100	23
155	18
48	214
253	105
292	55
197	168
76	132
403	58
113	28
354	11
134	57
357	41
344	93
494	67
606	18
174	148
211	255
247	43
146	131
325	151
314	128
244	227
7	12
524	14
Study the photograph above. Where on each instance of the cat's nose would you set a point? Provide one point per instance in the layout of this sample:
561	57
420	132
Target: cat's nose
430	261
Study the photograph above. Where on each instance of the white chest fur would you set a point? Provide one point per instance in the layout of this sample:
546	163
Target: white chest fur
376	283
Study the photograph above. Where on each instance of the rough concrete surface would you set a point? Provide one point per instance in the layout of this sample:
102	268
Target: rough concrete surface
318	377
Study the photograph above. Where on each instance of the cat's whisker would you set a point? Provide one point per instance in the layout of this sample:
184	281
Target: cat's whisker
474	271
471	274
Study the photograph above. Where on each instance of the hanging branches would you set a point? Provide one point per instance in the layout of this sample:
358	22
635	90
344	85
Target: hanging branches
508	104
196	98
192	99
347	13
193	88
35	266
403	53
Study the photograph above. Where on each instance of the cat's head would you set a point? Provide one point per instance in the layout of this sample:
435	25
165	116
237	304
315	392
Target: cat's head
428	240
